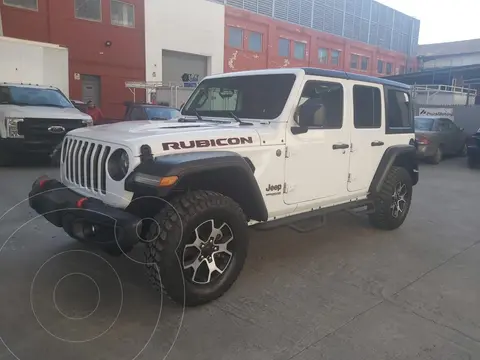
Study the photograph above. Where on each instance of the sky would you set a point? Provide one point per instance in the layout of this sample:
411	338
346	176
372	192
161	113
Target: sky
442	20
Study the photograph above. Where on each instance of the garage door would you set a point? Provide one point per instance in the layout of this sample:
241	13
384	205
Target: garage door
178	68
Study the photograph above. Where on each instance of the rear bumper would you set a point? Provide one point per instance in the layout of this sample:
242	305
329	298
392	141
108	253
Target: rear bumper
85	219
425	151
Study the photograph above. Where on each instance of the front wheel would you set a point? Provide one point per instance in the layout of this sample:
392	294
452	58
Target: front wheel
437	157
392	203
197	246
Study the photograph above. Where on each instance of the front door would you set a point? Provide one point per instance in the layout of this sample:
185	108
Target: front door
368	134
317	160
91	89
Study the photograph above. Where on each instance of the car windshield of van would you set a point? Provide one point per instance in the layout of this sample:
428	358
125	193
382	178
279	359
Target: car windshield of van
424	124
33	96
158	113
246	97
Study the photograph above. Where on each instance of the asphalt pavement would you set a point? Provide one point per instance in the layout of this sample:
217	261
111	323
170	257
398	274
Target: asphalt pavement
346	291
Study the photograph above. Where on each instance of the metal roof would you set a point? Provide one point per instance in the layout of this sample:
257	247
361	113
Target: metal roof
449	48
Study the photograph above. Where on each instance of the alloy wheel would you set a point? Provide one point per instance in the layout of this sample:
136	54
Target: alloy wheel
399	200
207	255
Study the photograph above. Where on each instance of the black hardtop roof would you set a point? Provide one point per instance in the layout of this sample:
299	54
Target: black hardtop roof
350	76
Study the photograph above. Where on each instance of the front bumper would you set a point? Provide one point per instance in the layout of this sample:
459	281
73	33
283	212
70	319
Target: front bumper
473	152
23	146
86	219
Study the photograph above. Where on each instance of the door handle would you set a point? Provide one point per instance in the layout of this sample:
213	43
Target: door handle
340	146
377	143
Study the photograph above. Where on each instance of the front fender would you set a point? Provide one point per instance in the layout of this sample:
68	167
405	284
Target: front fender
225	172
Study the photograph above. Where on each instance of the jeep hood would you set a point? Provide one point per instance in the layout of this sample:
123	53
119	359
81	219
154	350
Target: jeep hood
171	136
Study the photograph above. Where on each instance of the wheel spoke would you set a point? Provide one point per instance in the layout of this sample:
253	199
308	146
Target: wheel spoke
212	267
195	266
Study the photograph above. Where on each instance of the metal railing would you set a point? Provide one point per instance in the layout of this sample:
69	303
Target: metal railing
173	93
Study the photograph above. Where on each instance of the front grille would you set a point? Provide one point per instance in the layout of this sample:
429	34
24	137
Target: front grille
85	164
35	128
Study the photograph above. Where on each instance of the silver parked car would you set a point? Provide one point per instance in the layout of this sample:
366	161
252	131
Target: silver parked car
437	137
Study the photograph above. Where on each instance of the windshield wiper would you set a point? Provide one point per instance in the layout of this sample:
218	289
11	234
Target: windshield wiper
237	119
49	105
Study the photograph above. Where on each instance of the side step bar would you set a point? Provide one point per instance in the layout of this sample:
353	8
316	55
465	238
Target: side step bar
322	212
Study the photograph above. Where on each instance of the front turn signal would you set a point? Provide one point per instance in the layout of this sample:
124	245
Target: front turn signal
167	181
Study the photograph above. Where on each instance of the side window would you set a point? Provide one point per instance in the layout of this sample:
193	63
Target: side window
445	125
321	105
138	114
367	107
399	112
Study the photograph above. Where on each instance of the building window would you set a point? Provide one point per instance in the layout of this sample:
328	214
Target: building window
380	67
335	57
283	47
299	50
366	107
389	68
255	42
323	56
26	4
354	61
235	37
122	14
364	63
88	10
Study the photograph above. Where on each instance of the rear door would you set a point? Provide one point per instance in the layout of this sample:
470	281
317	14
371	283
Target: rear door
368	134
448	136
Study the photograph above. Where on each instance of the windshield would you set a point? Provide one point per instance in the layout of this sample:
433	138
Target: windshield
247	97
155	113
424	124
29	96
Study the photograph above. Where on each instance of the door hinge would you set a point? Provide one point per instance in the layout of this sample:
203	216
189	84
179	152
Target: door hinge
287	153
349	180
351	147
285	188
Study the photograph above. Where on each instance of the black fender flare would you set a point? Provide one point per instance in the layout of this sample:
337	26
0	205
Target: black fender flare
396	155
223	171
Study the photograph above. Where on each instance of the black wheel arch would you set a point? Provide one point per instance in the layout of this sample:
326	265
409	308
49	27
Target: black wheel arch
224	172
397	155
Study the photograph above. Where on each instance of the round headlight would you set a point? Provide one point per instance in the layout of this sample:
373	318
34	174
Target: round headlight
118	165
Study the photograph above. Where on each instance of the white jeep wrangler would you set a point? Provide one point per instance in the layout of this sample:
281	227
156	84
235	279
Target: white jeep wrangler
257	148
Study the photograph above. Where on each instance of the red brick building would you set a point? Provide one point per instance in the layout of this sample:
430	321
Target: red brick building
253	41
105	38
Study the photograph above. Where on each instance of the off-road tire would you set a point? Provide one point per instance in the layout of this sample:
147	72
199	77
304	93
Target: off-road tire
382	218
438	157
164	252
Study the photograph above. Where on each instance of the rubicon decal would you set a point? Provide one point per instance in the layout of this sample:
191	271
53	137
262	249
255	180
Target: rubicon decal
177	145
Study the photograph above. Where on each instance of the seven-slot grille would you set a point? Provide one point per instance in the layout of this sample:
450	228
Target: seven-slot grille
85	164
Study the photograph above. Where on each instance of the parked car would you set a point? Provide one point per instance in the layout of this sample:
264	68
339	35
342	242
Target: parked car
473	150
437	137
34	119
141	111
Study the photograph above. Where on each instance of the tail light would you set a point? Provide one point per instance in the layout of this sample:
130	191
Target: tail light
422	140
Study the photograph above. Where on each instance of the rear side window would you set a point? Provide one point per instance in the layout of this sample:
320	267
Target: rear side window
399	111
367	107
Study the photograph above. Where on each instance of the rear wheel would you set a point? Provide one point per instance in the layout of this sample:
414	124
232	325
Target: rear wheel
197	247
438	157
393	201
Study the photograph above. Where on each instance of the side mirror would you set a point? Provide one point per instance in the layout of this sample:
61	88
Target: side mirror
302	127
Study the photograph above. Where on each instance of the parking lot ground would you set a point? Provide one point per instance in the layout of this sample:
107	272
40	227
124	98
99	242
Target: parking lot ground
346	291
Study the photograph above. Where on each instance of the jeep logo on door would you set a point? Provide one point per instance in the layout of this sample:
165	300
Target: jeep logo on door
178	145
56	129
